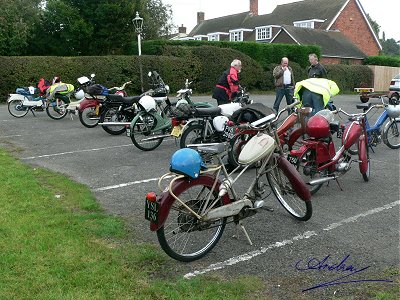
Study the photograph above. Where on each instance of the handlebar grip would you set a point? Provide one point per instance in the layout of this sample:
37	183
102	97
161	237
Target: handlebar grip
293	104
244	126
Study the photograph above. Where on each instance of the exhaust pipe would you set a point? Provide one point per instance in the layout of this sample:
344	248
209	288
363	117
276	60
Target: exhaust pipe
156	137
115	123
228	210
321	180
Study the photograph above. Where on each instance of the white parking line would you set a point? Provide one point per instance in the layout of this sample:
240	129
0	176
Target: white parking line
8	136
77	151
111	187
305	235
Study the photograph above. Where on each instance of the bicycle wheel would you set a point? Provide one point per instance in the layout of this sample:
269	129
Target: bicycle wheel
89	117
183	237
17	109
143	129
112	115
391	135
287	197
307	167
193	135
57	109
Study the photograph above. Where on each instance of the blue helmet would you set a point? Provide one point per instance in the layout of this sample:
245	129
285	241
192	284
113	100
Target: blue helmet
187	162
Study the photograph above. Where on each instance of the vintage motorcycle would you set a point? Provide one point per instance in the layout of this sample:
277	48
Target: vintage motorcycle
201	198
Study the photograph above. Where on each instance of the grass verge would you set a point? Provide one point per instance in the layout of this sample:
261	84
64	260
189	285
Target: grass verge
57	243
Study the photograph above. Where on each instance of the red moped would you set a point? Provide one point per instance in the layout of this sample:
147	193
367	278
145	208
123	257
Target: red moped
317	159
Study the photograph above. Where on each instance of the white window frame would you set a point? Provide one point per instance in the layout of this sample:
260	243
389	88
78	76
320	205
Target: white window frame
263	33
213	37
236	35
200	37
307	23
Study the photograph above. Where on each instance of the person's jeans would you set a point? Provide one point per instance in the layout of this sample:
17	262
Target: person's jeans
313	100
286	91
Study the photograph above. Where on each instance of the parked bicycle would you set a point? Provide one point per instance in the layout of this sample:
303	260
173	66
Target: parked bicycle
190	215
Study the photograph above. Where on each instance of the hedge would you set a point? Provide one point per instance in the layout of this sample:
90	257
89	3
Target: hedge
390	61
203	65
348	77
263	53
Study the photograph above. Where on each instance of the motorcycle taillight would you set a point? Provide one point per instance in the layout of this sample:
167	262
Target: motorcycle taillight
175	122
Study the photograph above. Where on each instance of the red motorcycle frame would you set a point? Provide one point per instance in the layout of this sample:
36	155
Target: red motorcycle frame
317	157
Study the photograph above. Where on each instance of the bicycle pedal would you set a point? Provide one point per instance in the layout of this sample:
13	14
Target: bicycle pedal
258	204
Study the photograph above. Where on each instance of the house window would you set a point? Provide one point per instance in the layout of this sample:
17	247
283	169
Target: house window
305	24
263	33
213	37
198	38
236	36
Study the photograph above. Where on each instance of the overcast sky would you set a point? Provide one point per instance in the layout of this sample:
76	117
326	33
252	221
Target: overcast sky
384	12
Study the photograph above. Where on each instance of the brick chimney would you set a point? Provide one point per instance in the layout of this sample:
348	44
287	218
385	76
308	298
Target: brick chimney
254	7
200	17
182	29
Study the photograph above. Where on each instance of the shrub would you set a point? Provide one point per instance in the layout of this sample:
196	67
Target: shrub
390	61
348	77
263	53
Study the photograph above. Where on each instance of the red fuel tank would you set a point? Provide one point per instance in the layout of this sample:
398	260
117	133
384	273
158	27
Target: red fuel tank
351	134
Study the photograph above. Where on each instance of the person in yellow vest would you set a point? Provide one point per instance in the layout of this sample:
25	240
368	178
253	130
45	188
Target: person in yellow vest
315	92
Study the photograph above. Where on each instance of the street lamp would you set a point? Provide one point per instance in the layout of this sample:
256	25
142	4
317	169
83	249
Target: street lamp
138	23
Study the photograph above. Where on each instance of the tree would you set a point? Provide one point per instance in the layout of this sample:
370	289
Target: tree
375	26
390	47
16	25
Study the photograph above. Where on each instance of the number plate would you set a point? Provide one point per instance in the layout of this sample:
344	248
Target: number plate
229	132
339	133
177	131
293	159
151	211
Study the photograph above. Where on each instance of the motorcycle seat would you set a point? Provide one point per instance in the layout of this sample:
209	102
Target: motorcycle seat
125	100
207	111
364	106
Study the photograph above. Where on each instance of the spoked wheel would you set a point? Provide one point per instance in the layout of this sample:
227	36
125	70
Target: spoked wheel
57	109
391	135
236	146
112	115
286	195
185	238
143	134
89	117
17	109
307	167
193	135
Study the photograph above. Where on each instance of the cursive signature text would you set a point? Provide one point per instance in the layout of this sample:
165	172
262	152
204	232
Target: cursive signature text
343	267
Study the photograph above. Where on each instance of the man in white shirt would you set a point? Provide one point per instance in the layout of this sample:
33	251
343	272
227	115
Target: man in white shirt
284	83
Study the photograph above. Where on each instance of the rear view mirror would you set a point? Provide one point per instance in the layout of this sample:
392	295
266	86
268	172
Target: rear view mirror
149	74
92	75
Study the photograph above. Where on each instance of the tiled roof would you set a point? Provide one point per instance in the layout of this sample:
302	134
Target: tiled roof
284	14
332	43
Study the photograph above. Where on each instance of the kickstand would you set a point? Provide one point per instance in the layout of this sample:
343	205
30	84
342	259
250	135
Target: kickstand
33	113
337	181
245	232
72	116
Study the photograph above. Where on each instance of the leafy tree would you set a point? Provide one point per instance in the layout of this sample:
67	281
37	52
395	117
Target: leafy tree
390	47
17	18
375	26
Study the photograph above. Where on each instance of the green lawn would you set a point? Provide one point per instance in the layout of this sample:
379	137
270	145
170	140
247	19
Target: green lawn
57	243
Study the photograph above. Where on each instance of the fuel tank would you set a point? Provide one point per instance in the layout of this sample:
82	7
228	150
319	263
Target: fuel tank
258	147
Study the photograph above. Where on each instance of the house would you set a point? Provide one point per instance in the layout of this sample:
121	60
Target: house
322	22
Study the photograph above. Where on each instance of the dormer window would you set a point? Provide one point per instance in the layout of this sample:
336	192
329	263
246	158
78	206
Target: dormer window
263	33
308	23
200	37
236	35
213	37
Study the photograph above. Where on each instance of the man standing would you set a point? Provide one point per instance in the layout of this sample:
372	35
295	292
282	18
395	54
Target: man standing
316	70
284	83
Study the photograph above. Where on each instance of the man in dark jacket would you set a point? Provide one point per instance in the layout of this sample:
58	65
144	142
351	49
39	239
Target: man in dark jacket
228	84
284	83
316	70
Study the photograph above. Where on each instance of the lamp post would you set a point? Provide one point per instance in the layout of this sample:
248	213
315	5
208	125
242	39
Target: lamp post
138	23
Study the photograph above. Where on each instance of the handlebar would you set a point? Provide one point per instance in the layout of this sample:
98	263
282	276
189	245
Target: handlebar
358	115
263	122
121	88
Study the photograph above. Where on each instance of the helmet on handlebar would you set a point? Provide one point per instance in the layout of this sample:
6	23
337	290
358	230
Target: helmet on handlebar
187	162
79	94
148	103
393	111
318	127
